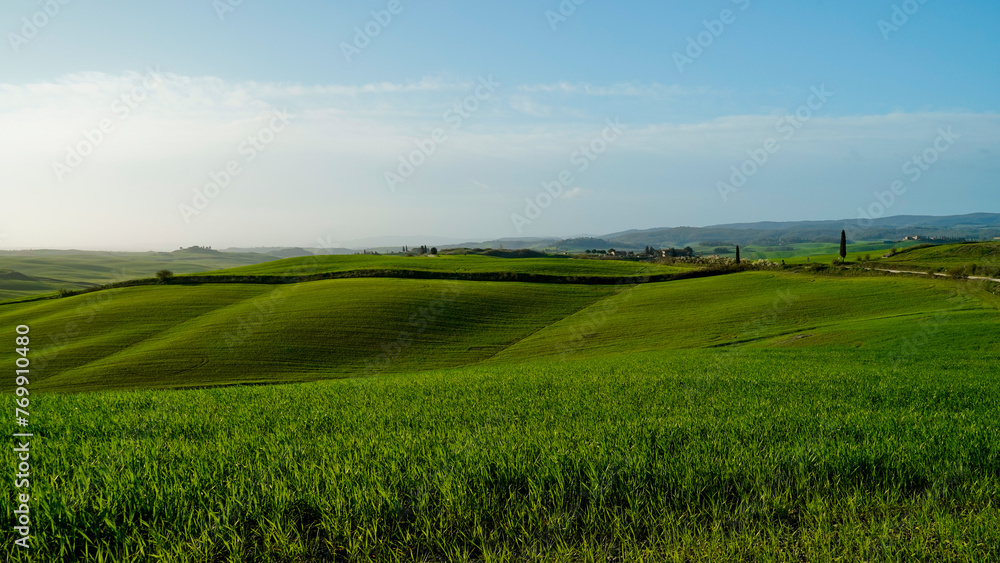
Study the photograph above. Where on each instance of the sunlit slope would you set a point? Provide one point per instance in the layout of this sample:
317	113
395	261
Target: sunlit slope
168	336
24	273
15	285
75	331
775	309
946	256
219	334
820	252
472	264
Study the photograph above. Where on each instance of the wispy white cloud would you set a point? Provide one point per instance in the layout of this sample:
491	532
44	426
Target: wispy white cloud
623	89
424	85
328	167
528	106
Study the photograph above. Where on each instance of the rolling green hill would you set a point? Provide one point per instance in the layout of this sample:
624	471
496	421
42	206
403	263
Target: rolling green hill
945	256
217	334
765	309
471	264
14	284
822	252
47	271
165	336
106	267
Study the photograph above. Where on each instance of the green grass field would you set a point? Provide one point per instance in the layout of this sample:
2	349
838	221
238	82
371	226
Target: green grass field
783	455
215	334
819	252
770	309
754	416
471	264
940	258
170	336
15	285
48	271
826	253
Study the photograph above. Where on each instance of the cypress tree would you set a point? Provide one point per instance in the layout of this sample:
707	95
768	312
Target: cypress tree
843	245
737	255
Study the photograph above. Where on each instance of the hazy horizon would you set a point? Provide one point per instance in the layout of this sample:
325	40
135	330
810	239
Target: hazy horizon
389	241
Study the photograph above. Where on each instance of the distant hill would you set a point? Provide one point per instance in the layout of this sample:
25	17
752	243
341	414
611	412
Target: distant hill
8	275
522	253
199	250
508	243
290	252
583	243
972	220
31	272
985	255
975	226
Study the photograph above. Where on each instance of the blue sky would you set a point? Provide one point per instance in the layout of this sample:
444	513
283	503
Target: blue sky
917	85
